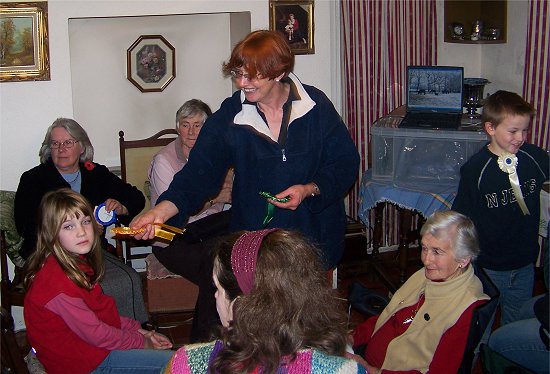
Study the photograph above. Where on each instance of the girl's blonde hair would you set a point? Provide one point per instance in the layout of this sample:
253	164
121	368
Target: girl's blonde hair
55	207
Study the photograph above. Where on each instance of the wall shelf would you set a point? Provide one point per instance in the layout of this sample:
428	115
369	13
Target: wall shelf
466	41
492	13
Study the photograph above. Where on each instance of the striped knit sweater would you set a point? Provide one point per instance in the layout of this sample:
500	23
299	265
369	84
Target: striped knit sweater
195	359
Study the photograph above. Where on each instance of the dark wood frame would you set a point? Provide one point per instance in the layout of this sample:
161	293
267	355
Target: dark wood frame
167	63
494	13
303	43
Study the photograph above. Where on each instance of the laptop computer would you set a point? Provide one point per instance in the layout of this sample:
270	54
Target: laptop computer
434	97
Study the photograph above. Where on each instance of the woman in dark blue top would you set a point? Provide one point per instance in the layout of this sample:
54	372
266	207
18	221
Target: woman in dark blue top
281	137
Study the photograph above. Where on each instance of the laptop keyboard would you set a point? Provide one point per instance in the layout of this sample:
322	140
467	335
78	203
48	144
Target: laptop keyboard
432	120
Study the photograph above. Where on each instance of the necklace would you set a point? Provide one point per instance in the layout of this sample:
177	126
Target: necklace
75	178
413	314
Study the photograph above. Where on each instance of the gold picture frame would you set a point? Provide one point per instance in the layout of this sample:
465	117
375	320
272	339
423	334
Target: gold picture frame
151	63
24	50
295	20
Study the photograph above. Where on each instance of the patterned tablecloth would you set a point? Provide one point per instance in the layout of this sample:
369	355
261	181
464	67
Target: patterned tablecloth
423	199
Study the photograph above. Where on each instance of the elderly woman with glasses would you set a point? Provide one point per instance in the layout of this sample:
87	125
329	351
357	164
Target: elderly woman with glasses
66	161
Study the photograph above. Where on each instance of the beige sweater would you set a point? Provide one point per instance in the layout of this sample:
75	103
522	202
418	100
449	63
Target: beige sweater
444	303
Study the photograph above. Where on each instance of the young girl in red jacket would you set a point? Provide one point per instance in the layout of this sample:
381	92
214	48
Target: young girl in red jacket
72	325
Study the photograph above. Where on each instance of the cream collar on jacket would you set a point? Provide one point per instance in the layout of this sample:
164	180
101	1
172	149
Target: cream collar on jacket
249	115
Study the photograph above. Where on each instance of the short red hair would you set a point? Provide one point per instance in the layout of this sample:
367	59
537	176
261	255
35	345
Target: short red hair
261	52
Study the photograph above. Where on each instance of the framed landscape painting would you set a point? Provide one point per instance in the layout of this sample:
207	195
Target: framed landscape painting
24	52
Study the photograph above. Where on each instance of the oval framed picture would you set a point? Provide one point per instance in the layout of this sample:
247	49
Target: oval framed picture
151	63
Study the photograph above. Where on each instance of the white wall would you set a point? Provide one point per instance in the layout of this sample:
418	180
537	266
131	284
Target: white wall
105	101
503	64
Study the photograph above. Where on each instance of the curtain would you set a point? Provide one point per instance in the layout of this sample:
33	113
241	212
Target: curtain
536	77
379	39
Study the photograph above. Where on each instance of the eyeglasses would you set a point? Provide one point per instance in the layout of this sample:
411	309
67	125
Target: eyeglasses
237	74
67	144
187	126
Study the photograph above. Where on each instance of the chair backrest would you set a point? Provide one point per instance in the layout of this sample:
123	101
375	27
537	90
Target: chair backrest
482	320
12	356
136	156
10	244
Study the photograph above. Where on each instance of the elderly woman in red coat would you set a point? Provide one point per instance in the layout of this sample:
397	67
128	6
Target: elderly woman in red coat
425	326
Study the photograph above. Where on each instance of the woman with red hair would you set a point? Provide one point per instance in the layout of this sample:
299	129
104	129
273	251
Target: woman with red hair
281	137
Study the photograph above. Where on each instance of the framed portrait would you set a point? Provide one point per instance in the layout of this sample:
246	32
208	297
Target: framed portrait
24	51
151	63
294	19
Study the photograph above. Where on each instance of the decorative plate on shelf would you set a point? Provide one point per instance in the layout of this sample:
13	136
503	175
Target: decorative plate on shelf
457	30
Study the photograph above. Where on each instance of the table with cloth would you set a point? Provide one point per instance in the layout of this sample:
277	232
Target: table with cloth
423	199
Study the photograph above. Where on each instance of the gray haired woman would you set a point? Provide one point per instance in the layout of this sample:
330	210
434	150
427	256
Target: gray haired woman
425	326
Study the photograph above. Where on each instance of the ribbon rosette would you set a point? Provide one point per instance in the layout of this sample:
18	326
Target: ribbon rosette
508	162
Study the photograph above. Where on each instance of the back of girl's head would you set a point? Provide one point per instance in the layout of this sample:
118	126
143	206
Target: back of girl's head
290	307
56	206
261	52
505	103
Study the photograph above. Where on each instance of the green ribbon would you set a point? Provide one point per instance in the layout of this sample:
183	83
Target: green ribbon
269	214
270	206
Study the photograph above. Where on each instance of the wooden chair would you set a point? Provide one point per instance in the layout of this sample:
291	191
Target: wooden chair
171	299
14	347
10	243
135	158
167	296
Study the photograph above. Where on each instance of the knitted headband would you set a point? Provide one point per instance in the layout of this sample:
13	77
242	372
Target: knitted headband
244	255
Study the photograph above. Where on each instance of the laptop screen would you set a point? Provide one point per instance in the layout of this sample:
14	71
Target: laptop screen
434	88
